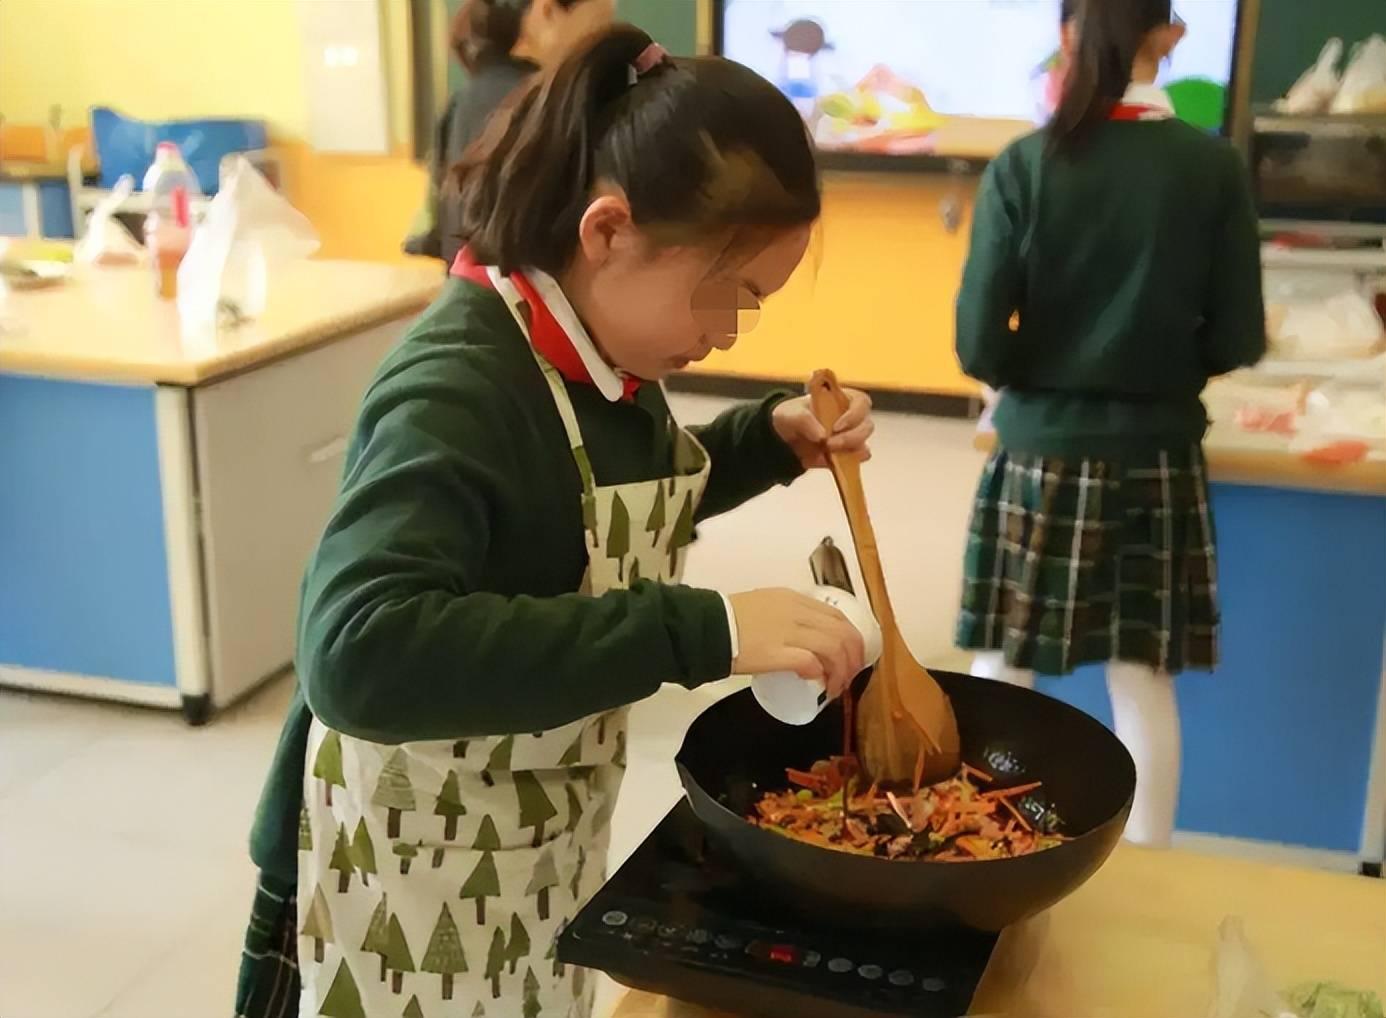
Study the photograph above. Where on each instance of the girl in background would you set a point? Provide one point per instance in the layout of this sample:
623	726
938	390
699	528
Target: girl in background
499	578
1124	245
500	43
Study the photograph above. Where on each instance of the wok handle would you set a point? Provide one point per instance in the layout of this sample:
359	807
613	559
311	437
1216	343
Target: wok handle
829	403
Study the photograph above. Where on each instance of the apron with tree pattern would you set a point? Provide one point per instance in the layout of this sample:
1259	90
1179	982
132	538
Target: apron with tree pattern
435	877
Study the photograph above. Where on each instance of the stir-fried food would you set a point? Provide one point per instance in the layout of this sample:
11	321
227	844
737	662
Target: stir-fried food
963	819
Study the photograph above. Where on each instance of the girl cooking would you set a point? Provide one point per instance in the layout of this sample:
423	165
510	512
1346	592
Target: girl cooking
1124	244
499	578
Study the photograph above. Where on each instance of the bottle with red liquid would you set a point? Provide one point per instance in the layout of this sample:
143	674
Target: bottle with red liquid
168	227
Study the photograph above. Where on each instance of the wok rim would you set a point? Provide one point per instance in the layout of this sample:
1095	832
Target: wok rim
1121	813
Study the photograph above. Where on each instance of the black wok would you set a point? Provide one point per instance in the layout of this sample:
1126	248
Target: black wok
734	751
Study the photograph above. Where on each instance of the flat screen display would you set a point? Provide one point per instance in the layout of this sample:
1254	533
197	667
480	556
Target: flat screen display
946	77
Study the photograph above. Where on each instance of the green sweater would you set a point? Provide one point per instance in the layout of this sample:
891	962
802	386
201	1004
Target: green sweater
1134	268
439	603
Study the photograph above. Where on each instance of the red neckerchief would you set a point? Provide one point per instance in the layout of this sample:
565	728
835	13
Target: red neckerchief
1137	111
549	338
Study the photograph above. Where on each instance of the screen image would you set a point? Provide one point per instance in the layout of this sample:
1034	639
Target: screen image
947	77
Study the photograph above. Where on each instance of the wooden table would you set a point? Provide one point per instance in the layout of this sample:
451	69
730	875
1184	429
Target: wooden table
163	486
1138	939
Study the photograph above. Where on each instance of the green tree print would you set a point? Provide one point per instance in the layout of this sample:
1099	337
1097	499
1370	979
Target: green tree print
574	808
397	957
545	876
573	753
576	886
683	532
305	830
619	757
343	997
449	806
601	729
393	792
479	1011
532	1006
589	504
377	940
341	859
536	808
655	522
412	1009
579	981
495	962
485	881
500	759
327	765
518	949
552	955
407	854
634	572
318	923
444	956
459	749
363	852
618	535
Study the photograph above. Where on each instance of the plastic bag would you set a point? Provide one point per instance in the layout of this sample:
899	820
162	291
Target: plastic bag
107	241
1345	325
1340	424
1364	82
1241	988
249	229
1317	87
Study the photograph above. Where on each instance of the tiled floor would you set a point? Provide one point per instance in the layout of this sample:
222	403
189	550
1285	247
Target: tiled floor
124	880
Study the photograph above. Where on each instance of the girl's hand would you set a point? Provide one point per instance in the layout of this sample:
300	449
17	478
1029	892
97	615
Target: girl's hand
799	429
784	631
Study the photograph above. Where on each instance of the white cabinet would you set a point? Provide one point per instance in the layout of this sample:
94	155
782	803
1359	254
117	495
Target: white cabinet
269	447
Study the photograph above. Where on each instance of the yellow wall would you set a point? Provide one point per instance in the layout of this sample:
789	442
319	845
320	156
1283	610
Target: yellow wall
876	305
160	59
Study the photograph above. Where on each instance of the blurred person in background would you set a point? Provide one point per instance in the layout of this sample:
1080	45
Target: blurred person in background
500	43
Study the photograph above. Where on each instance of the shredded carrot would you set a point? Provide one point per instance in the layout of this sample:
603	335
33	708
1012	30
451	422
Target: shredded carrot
1025	824
919	767
981	775
1006	793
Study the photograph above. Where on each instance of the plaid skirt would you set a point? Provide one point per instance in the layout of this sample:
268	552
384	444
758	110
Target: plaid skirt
268	986
1070	563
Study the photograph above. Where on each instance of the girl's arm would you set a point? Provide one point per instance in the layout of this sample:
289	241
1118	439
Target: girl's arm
1234	329
991	282
748	457
397	639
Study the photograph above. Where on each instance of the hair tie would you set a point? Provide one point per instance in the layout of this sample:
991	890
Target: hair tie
650	57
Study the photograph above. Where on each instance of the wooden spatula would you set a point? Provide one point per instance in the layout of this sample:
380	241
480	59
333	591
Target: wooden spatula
906	730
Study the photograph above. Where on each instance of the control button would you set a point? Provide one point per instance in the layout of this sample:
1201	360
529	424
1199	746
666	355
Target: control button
811	959
840	965
644	925
669	932
615	918
727	942
932	985
871	972
782	953
901	977
699	936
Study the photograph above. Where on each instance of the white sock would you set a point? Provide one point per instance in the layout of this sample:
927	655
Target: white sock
991	664
1147	722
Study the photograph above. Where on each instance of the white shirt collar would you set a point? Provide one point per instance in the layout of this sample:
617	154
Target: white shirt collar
609	382
1149	94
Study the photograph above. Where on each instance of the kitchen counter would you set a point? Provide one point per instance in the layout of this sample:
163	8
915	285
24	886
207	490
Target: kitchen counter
163	490
1137	940
109	325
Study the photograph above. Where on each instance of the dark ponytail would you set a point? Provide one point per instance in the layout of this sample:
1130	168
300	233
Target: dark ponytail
700	147
1110	36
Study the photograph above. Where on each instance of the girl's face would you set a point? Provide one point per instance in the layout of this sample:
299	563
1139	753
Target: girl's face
653	311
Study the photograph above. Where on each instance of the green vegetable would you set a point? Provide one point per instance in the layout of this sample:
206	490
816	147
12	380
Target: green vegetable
803	795
1333	1000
